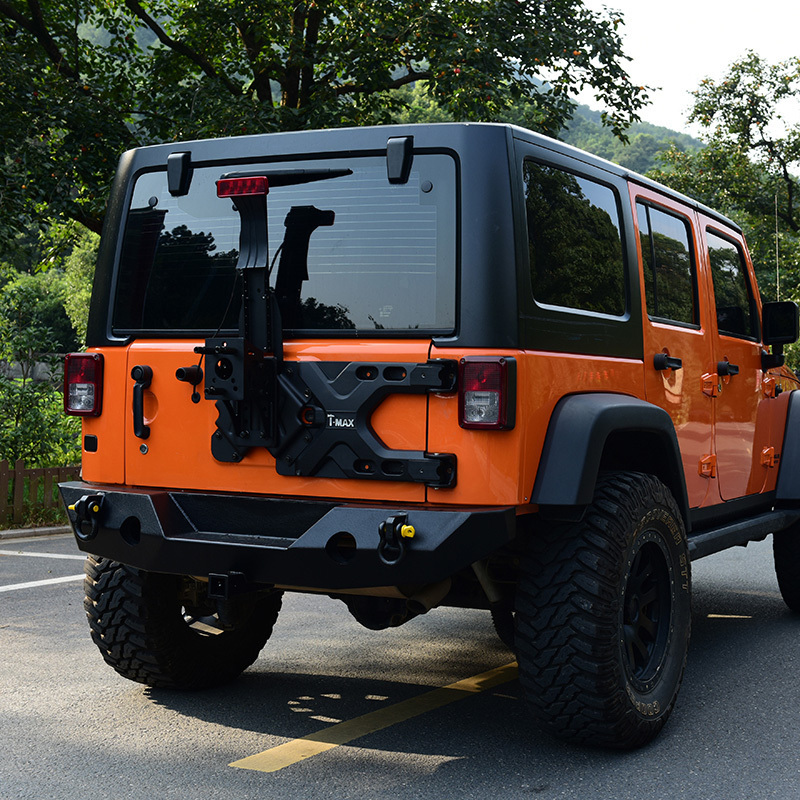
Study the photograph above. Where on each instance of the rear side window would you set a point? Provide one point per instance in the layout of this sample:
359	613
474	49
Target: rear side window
737	314
574	241
383	260
668	266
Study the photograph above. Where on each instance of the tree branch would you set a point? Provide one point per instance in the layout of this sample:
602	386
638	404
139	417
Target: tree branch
260	85
182	49
411	77
38	29
312	38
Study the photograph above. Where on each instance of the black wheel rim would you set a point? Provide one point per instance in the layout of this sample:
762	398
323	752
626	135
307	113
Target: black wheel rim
646	615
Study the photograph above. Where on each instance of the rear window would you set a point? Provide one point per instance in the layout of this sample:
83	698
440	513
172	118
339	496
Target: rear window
574	241
384	261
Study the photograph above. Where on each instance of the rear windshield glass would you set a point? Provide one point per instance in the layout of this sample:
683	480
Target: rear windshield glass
381	256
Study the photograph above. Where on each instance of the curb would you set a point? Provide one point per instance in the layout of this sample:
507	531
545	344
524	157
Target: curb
27	533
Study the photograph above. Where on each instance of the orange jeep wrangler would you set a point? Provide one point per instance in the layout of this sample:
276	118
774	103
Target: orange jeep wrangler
412	366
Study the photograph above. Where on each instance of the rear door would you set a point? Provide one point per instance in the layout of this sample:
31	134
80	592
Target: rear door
366	270
677	328
741	418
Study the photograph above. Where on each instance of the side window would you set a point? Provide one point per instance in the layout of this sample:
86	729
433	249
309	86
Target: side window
574	241
736	308
669	271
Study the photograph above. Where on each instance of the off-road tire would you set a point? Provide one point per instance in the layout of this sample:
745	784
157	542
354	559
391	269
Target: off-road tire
603	616
786	552
138	623
503	621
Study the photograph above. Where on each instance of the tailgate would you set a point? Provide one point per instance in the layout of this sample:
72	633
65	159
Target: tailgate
357	425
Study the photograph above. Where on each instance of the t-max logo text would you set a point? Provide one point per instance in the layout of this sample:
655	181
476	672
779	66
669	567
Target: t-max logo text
341	422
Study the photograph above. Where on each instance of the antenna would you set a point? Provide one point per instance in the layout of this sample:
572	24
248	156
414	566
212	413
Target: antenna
777	271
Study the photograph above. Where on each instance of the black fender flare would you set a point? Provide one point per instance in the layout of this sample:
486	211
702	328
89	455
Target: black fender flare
575	449
788	486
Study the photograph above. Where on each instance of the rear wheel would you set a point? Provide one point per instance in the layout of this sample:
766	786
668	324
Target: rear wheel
603	616
786	551
161	630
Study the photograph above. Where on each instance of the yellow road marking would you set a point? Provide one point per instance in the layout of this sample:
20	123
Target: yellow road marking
285	755
730	616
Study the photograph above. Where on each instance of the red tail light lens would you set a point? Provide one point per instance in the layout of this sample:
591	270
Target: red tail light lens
243	187
83	384
486	392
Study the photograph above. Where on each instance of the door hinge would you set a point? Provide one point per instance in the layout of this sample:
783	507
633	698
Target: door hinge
768	457
711	384
707	467
769	386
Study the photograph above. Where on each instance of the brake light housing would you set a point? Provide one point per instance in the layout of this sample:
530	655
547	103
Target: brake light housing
83	384
487	393
243	186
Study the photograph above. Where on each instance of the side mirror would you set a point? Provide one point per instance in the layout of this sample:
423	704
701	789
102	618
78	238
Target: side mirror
780	325
781	322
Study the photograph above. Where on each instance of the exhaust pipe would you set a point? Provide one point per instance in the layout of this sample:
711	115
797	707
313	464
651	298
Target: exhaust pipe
429	597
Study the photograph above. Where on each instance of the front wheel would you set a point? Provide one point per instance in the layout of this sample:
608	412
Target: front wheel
786	552
603	616
163	631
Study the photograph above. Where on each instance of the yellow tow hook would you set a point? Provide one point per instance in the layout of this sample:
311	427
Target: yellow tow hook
85	516
395	534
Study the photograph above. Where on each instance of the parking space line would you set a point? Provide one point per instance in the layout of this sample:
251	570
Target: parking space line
285	755
40	555
48	582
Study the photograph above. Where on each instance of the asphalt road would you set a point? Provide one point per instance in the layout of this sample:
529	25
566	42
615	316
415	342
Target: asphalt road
72	728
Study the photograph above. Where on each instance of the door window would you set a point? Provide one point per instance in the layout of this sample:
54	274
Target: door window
737	314
670	279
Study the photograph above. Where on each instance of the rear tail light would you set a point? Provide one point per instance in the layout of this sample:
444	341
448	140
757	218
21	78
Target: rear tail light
487	393
83	384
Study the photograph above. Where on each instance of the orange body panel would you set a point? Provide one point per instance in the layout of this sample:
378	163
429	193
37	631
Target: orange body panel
177	453
499	467
107	464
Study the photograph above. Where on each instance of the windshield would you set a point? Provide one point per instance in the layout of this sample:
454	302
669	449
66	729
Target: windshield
381	256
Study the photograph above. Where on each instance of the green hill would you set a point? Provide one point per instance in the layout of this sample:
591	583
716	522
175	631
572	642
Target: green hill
586	131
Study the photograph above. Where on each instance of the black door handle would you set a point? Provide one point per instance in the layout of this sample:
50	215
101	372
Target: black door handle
725	368
663	361
142	375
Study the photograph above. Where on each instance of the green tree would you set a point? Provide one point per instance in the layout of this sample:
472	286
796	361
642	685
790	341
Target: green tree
78	275
746	169
32	326
744	110
81	81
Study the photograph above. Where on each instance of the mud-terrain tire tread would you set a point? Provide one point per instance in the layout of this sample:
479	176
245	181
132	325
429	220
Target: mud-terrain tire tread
137	624
568	612
786	553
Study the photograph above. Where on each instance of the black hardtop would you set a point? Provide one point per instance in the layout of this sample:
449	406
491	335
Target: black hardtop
490	226
582	156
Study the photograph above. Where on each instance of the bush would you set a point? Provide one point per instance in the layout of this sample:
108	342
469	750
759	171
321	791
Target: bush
33	425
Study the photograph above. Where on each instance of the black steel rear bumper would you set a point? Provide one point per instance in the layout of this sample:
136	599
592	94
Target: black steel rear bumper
313	544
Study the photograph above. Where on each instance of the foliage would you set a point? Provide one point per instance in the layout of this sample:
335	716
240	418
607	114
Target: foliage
744	111
33	322
641	150
78	275
82	81
33	426
744	170
33	325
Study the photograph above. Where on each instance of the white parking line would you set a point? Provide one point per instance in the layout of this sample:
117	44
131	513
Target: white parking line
40	555
49	582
